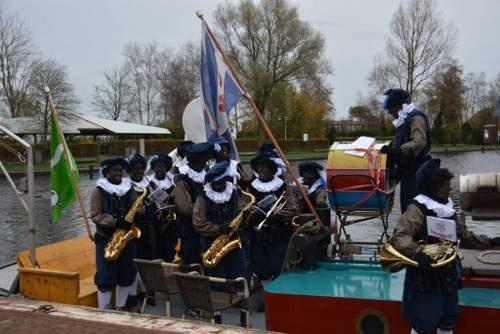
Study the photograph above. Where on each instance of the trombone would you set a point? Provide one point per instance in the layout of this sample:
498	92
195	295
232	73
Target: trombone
277	206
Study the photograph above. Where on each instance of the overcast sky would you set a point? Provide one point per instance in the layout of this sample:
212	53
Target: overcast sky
88	35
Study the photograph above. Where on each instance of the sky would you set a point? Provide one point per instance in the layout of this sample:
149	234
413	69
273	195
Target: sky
88	35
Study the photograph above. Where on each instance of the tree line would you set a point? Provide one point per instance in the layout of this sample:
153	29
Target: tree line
418	57
24	72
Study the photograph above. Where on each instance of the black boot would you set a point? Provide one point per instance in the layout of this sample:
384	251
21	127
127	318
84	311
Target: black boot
218	319
243	319
131	304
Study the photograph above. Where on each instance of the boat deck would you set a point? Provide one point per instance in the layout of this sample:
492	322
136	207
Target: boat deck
364	280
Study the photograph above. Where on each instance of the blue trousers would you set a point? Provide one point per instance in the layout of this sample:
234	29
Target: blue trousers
428	309
267	254
111	273
190	249
408	189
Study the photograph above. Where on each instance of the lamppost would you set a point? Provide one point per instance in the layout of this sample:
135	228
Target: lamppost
284	118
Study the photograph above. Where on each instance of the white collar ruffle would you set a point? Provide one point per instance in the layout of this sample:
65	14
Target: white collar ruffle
197	177
266	187
117	189
318	183
164	184
219	197
139	185
402	114
441	210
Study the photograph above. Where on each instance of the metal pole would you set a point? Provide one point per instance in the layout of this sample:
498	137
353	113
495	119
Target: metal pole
31	189
263	123
286	119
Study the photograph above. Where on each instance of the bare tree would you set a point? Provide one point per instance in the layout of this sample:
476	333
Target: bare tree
179	78
113	96
269	44
475	94
47	72
141	62
16	54
419	41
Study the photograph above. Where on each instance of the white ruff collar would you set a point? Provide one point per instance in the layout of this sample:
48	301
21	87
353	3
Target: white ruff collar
117	189
139	185
266	187
318	183
402	114
219	197
441	210
164	184
197	177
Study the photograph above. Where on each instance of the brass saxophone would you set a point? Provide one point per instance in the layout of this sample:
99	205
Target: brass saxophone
392	260
121	237
226	243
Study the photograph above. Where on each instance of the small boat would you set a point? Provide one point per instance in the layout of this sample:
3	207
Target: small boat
352	293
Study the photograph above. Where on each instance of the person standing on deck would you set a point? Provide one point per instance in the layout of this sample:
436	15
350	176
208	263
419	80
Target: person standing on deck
188	186
135	170
311	176
221	148
166	231
268	244
430	295
110	201
213	211
412	141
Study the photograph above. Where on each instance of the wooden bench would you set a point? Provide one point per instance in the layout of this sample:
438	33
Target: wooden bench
65	274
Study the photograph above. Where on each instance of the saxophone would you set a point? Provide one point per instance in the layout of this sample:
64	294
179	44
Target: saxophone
121	237
226	243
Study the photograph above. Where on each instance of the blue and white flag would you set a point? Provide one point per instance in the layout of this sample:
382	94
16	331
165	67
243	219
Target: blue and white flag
219	91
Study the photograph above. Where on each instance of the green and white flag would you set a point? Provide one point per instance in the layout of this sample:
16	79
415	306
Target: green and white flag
63	191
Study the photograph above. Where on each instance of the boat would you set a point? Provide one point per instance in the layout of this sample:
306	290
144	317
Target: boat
351	293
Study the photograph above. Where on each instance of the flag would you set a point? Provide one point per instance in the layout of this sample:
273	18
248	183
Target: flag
62	189
219	91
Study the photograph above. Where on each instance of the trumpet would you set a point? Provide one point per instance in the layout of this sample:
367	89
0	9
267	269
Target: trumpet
276	207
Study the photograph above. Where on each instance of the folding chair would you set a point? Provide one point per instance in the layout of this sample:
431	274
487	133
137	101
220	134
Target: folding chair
202	302
157	276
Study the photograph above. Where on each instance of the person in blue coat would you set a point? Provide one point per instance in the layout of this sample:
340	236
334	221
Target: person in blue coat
111	200
411	144
430	295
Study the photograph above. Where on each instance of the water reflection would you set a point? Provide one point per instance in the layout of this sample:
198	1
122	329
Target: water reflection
14	225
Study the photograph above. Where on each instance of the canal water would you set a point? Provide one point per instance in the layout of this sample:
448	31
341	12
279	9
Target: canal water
14	224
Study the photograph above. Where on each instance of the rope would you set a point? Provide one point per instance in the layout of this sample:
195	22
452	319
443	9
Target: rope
480	257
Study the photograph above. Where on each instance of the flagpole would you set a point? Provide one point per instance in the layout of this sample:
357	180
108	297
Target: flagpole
261	120
71	171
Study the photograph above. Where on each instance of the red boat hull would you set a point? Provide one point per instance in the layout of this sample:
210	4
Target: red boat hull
311	314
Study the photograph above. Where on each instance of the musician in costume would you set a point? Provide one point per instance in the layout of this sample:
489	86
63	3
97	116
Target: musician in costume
178	156
411	144
213	211
311	176
166	231
268	245
188	186
270	150
110	201
136	172
236	171
430	297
